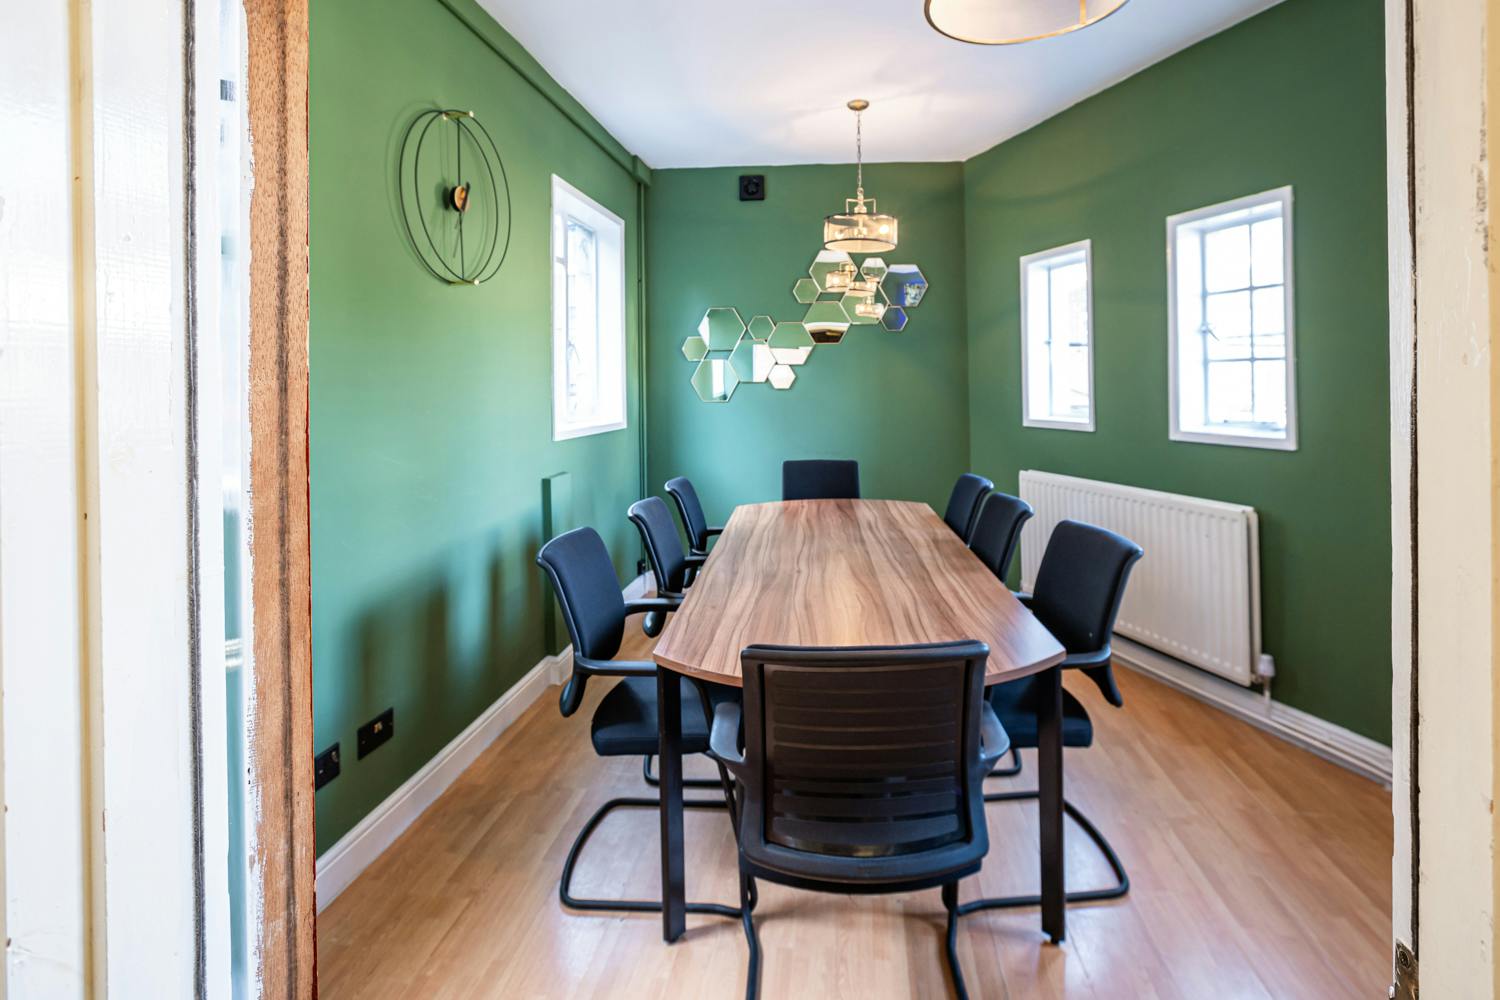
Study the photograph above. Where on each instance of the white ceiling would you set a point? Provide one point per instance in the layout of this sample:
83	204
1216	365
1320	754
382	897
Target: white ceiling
697	83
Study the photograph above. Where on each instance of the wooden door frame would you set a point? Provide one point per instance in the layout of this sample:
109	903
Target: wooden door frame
278	724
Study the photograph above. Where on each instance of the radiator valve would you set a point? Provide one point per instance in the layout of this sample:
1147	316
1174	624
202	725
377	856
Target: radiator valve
1265	667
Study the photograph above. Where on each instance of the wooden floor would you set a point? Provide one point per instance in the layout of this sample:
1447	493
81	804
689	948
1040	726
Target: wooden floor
1258	871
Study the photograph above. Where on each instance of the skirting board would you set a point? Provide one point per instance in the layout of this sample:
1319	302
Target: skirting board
1359	754
356	850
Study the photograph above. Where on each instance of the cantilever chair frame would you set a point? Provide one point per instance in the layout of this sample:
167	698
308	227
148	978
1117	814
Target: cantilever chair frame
571	698
851	874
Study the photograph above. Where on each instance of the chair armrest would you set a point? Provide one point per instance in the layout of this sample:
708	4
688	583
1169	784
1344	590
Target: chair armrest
711	532
645	604
1095	665
994	741
696	559
1080	661
614	668
1023	597
724	738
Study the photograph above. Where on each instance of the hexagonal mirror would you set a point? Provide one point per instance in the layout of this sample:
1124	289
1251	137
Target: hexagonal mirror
826	263
904	286
790	355
760	327
863	310
694	348
791	343
894	319
782	377
752	360
721	327
805	291
715	379
826	322
873	268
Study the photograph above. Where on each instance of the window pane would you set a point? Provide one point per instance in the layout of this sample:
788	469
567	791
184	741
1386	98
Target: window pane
1270	393
583	322
1227	258
1229	392
588	314
1270	322
1070	304
1267	264
1227	327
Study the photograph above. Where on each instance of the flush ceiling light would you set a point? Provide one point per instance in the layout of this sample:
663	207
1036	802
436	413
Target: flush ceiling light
1007	22
859	228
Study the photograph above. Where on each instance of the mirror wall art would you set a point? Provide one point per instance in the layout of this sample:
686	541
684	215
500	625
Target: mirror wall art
837	294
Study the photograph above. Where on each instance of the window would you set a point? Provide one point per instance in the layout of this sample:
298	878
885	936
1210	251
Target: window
588	315
1057	352
1230	271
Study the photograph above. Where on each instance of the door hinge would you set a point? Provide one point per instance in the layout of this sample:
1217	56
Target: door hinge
1405	986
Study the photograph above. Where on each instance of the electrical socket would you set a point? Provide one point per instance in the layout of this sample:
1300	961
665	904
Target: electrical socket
373	734
325	767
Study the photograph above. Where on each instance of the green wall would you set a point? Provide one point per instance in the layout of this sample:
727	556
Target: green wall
894	401
1292	96
430	404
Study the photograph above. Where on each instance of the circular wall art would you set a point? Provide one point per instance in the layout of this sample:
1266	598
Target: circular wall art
455	198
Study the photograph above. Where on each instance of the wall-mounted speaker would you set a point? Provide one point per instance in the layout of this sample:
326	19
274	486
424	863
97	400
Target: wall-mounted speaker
752	187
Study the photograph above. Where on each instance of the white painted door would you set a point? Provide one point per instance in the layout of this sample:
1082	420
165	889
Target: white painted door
113	844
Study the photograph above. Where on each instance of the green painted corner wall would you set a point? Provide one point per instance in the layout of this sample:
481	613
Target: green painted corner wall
896	402
1291	96
430	428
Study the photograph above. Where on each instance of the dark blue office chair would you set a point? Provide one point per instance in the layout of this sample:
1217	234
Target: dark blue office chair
862	772
1079	586
673	569
625	723
693	520
820	479
964	502
997	530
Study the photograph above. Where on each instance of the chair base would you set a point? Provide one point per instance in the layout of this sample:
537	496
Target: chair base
655	782
1008	772
564	888
748	896
1119	889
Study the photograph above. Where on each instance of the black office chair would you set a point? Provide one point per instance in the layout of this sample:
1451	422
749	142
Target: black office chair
693	519
625	723
964	502
672	567
1079	586
862	772
997	530
673	570
820	479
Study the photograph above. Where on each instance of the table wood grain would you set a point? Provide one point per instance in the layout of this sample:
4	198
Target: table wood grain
846	573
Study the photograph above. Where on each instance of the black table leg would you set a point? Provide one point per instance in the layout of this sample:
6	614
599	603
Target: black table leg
1050	786
669	734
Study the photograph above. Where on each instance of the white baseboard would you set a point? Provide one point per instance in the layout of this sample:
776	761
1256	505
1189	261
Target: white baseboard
639	587
1359	754
341	864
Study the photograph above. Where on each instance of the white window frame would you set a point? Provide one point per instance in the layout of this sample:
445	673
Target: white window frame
1041	256
611	231
1288	442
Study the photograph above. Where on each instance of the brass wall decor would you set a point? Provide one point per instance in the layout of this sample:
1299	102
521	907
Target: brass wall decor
455	197
838	294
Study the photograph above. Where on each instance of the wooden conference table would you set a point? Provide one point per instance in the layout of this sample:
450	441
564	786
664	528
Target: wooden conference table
848	573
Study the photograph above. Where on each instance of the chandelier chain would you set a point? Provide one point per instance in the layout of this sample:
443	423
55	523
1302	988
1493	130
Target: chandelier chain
859	153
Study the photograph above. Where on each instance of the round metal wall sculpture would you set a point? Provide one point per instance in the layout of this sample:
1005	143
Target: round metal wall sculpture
455	197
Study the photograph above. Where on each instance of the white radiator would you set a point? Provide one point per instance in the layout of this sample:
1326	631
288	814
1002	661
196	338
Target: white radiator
1196	593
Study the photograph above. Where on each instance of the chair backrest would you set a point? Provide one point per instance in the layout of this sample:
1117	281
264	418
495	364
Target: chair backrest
1080	583
963	503
688	505
820	479
663	544
583	577
862	753
997	529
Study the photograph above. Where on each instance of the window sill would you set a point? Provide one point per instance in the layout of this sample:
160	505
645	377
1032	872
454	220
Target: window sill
1287	443
569	433
1059	425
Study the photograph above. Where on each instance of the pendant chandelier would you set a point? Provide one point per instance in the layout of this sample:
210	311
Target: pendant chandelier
1008	22
859	228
